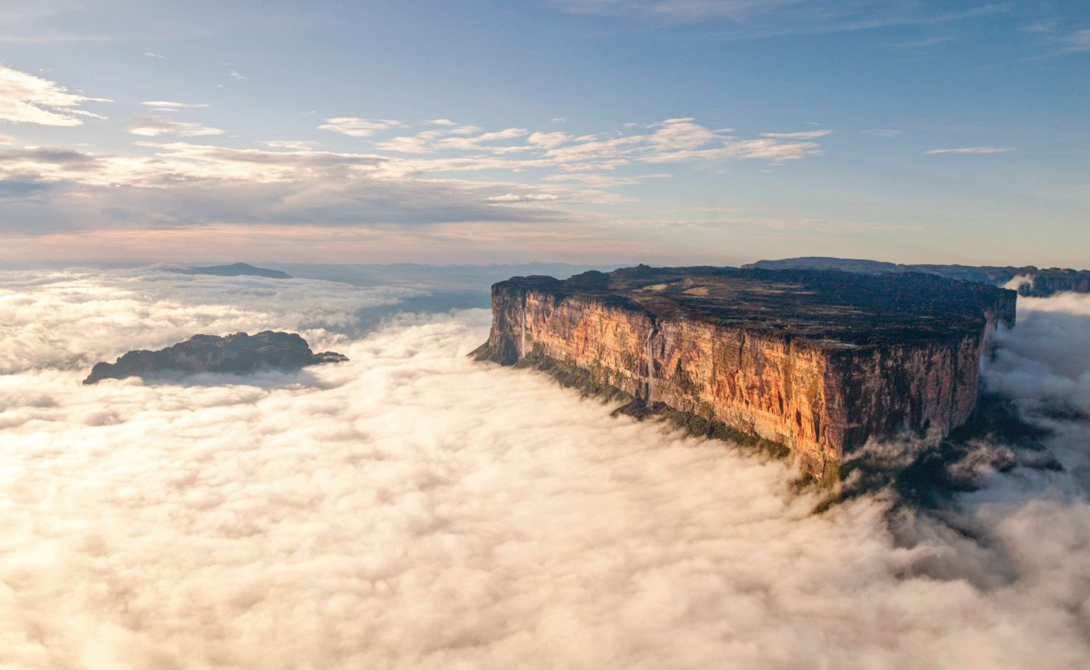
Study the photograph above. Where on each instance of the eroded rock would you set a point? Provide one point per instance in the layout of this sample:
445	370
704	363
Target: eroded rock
234	354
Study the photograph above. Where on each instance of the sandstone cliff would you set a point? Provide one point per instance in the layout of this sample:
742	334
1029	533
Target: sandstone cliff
816	361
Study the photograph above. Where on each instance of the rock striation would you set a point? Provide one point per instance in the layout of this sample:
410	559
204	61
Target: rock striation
239	354
816	361
1029	281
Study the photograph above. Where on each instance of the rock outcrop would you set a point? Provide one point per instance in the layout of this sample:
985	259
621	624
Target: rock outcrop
1030	281
239	354
817	361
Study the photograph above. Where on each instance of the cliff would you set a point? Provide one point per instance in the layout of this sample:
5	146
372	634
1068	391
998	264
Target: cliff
816	361
235	354
1032	281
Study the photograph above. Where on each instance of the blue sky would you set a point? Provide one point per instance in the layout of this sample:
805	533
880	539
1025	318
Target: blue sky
663	131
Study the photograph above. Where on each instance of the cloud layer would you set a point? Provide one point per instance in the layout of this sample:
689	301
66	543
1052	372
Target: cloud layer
412	509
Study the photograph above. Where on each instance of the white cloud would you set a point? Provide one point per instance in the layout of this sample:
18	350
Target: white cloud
151	54
236	74
357	127
167	106
298	145
154	126
523	197
25	98
805	135
6	139
413	509
441	122
882	132
1079	41
970	150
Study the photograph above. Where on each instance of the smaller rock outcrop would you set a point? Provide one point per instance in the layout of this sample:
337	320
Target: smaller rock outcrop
238	354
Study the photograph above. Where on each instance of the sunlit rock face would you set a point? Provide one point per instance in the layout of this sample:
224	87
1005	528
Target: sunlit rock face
234	354
817	361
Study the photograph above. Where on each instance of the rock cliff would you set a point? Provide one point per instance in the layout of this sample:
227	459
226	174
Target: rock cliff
817	361
235	354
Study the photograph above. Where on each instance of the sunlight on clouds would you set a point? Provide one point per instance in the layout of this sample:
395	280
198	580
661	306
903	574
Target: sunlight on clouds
153	126
357	127
25	98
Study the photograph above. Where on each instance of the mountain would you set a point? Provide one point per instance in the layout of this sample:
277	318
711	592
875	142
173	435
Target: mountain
238	354
235	270
1032	281
815	362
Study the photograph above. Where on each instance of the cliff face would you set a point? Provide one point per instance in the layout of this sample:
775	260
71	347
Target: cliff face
821	386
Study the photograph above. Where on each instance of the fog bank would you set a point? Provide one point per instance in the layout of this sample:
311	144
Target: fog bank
413	509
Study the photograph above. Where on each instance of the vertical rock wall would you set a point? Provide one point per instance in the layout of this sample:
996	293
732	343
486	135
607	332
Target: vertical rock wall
820	400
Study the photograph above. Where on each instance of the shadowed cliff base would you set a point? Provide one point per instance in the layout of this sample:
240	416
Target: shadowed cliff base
996	438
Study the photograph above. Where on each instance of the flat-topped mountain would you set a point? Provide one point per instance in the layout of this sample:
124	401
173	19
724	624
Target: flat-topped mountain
235	270
817	361
1038	282
234	354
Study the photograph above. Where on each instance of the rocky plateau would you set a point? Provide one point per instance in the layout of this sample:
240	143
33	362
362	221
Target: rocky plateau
239	354
817	362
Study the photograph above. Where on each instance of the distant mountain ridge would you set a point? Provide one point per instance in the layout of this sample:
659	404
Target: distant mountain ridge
235	270
1039	283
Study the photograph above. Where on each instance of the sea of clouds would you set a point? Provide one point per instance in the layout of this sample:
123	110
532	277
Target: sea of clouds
412	509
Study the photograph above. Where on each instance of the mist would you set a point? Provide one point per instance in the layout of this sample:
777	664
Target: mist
413	509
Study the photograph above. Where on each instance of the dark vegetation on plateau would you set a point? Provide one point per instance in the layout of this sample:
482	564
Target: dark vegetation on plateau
818	306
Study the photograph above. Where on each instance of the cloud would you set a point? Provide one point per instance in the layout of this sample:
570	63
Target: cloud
154	126
523	197
167	106
434	176
760	18
150	54
25	98
970	150
236	74
298	145
806	135
1079	41
357	127
183	184
414	509
882	132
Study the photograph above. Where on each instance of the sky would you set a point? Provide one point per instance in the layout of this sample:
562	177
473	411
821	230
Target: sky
595	131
